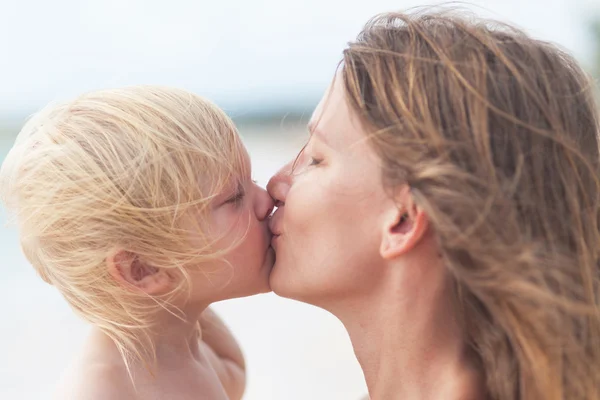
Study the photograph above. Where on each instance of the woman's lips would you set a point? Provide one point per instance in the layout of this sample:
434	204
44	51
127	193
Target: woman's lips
275	226
275	222
274	240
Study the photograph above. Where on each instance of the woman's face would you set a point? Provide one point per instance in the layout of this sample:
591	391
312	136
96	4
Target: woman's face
332	210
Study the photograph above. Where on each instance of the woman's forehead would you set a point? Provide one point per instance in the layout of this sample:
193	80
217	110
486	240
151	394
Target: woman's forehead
333	122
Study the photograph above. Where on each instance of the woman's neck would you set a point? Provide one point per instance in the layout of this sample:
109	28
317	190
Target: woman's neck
410	345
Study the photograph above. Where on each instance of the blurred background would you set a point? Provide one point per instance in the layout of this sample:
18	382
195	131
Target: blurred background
266	62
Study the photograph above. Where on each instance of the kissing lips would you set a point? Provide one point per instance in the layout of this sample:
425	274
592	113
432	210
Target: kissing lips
274	240
275	227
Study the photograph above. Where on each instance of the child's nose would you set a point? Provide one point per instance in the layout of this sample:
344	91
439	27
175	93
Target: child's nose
264	204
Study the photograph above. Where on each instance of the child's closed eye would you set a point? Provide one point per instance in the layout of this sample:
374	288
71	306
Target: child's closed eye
237	197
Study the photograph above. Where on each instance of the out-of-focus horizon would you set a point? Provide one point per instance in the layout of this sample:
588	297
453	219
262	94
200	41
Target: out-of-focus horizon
257	60
595	34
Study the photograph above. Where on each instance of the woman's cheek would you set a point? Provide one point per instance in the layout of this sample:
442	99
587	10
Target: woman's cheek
300	208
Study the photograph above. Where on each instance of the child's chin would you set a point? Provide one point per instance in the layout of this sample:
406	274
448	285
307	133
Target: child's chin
265	283
260	286
269	260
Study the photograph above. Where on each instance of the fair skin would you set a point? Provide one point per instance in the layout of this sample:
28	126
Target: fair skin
348	244
190	364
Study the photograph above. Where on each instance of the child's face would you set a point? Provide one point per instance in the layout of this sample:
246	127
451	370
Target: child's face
238	217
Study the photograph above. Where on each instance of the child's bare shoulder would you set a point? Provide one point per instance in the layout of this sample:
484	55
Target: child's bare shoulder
99	373
96	381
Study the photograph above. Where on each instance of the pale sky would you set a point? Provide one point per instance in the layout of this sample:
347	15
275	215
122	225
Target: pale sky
240	53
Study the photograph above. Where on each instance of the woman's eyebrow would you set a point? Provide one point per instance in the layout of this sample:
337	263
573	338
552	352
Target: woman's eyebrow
313	131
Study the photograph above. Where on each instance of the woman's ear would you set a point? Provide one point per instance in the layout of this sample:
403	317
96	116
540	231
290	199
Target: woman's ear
130	271
404	227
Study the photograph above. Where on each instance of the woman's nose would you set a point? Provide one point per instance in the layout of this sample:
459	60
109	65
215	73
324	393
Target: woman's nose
280	184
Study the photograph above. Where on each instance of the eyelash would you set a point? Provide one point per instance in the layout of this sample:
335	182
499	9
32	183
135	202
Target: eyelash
236	198
314	161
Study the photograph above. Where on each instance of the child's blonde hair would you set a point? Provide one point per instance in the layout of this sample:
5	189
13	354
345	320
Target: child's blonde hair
117	169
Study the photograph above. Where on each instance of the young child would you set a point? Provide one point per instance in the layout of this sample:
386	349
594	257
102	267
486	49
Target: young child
138	205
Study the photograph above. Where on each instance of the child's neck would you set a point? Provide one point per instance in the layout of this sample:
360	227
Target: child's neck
177	340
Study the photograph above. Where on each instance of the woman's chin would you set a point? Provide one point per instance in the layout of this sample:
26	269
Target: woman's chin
277	281
282	283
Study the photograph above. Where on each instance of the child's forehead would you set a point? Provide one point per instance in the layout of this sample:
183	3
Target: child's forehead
241	159
238	167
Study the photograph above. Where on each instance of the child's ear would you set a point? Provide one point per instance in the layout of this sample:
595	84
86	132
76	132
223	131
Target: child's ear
130	271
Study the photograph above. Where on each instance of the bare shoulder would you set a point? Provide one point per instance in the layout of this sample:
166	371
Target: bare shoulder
98	373
231	375
96	382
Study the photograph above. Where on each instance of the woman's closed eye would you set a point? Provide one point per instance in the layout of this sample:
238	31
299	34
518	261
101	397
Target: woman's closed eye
314	161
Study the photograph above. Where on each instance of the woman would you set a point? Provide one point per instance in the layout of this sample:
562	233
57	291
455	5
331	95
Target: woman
446	208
